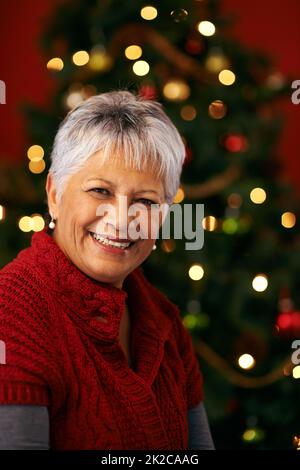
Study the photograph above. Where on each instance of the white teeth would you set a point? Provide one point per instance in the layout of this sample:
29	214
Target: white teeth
106	241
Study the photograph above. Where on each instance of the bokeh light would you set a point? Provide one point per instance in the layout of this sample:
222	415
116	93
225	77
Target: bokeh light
226	77
217	109
56	64
246	361
206	28
141	68
179	196
260	283
296	372
37	167
35	153
148	13
196	272
80	58
25	224
209	223
176	90
258	195
188	112
133	52
288	219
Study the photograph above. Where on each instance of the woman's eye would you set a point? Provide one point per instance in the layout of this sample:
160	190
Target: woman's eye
148	202
99	190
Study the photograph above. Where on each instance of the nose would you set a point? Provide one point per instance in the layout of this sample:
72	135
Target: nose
122	219
114	218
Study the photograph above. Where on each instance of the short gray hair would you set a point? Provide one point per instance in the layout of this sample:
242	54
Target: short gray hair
122	123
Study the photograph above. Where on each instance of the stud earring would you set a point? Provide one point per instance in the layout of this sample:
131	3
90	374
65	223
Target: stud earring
52	223
154	247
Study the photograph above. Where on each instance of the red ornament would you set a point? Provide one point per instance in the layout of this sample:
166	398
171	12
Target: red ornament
236	143
148	92
193	46
288	324
288	320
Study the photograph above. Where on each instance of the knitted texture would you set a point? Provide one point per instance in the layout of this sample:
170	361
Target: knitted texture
61	334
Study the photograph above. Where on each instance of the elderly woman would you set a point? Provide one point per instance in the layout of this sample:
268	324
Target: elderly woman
96	357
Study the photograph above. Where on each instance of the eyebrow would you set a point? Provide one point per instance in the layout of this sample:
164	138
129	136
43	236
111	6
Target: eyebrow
100	179
109	182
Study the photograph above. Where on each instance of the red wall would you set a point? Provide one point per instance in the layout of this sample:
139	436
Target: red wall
272	26
22	68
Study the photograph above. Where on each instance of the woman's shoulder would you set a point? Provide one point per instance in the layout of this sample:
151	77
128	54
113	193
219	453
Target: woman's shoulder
31	357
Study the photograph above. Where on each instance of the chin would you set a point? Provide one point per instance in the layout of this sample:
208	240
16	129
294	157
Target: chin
103	275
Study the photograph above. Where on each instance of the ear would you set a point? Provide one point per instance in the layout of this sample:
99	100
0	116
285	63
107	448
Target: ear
51	196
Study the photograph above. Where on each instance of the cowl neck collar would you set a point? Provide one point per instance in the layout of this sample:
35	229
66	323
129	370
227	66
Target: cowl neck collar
97	307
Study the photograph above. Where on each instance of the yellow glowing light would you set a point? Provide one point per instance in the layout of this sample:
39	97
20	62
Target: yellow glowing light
260	282
55	64
141	68
37	223
217	109
226	77
190	321
249	435
35	153
179	196
148	13
296	372
196	272
288	219
80	58
2	212
37	167
209	223
258	195
25	224
100	60
188	113
133	52
253	434
206	28
176	90
230	225
216	62
246	361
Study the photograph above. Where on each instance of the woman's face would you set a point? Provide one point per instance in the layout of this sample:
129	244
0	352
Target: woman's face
102	199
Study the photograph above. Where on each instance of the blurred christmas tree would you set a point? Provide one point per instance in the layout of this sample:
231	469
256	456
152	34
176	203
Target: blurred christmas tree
239	294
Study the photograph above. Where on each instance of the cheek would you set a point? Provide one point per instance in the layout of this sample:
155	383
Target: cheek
79	212
144	249
154	223
149	224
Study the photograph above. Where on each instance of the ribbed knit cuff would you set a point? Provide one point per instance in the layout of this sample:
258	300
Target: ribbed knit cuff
23	393
195	394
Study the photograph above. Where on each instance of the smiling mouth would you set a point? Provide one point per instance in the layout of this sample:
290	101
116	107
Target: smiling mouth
113	243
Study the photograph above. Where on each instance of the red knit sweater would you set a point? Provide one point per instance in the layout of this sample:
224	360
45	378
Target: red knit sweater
59	354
